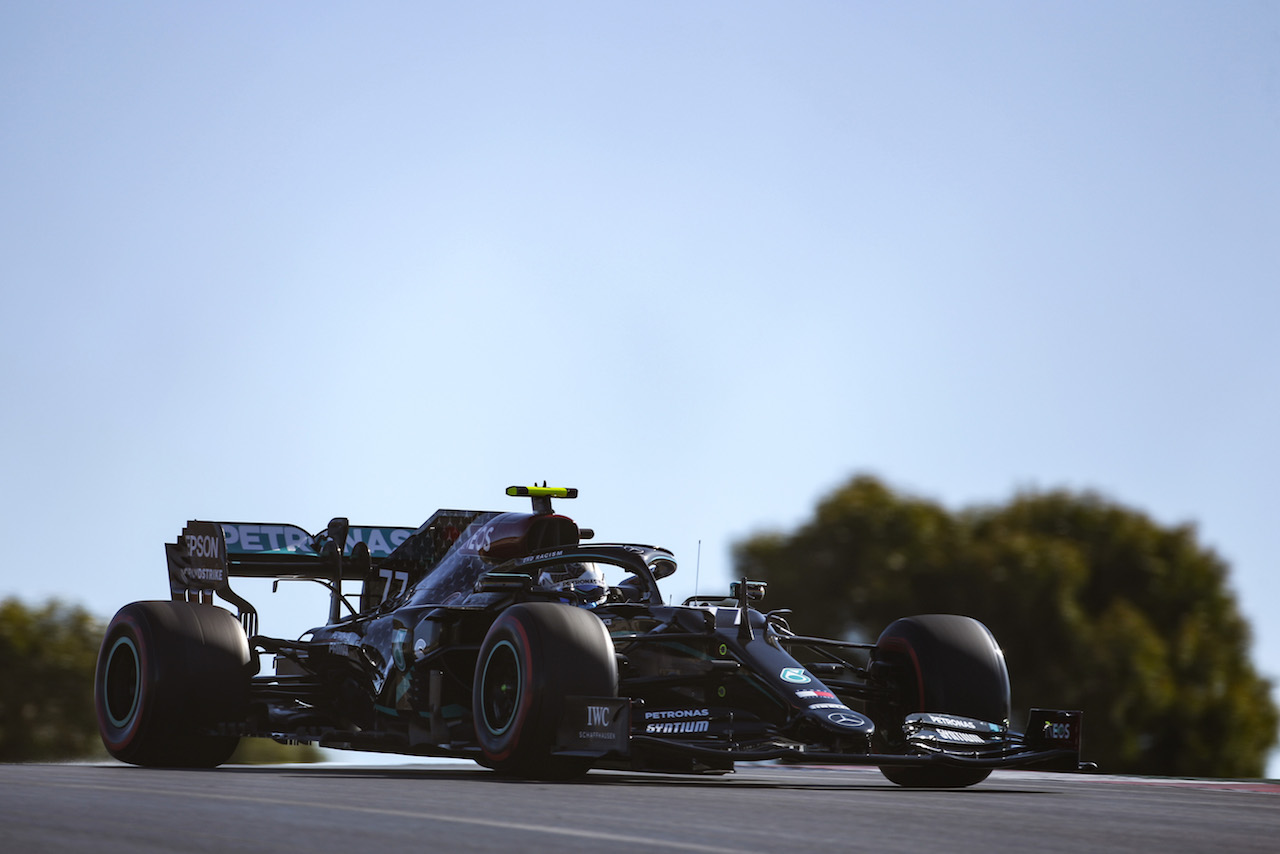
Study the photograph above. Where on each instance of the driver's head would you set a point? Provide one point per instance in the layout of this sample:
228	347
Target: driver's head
586	579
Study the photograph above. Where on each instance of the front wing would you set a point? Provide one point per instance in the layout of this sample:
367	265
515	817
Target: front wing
1052	742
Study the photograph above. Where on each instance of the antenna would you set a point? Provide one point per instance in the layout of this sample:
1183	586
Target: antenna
697	569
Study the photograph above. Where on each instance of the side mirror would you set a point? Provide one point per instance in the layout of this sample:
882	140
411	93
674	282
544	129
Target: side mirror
662	568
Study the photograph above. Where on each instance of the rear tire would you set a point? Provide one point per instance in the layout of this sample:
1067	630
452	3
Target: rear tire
534	655
168	673
938	663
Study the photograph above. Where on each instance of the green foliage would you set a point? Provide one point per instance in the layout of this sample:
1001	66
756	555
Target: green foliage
47	658
1096	606
264	751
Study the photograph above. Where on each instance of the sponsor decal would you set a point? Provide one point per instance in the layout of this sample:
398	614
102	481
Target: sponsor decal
543	556
1057	731
957	723
267	538
290	539
675	727
192	574
201	560
828	706
849	719
826	695
673	714
481	540
381	541
959	737
599	726
795	675
203	545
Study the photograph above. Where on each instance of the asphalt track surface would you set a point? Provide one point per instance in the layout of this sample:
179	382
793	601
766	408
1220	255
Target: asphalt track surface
112	809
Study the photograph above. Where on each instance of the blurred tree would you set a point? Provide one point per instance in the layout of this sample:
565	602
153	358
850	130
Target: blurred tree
47	658
1096	606
264	751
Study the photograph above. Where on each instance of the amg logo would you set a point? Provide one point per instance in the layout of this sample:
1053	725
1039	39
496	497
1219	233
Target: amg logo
677	727
597	715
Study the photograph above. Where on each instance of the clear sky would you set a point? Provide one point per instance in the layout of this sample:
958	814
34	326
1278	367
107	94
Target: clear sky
702	260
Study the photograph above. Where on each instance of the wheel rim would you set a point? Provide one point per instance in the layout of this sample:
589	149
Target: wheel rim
500	683
122	686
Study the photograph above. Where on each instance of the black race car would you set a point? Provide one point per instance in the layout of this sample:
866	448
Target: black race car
509	639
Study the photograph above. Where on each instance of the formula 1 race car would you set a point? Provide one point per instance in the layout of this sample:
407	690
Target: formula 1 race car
507	639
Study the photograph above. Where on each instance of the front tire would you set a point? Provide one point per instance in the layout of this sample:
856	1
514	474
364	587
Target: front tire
168	673
534	655
938	663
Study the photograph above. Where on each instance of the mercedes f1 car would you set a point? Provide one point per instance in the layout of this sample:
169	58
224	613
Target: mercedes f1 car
510	639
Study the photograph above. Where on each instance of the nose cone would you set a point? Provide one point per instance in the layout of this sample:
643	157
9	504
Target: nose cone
838	718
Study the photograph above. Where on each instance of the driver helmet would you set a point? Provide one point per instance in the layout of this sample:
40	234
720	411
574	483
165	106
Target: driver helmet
586	579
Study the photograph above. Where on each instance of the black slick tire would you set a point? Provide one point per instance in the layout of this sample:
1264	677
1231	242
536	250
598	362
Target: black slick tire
938	663
168	674
533	656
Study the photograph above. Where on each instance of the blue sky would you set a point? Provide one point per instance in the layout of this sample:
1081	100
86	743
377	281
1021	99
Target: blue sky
703	261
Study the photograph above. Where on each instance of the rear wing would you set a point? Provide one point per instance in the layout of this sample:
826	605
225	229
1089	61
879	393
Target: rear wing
387	559
207	554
